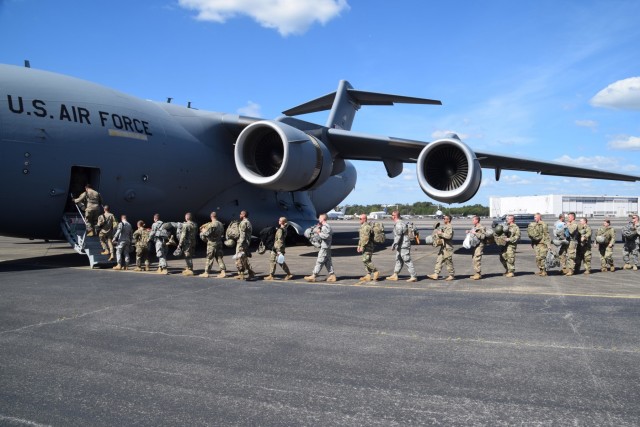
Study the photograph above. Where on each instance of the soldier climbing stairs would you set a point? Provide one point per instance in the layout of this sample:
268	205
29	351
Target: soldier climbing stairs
75	231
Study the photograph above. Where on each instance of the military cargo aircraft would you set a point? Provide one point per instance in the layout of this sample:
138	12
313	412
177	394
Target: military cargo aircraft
58	133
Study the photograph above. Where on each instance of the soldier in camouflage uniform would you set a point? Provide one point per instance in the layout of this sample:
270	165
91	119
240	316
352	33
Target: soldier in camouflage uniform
558	230
445	254
574	238
630	247
480	232
540	241
92	201
584	247
277	250
187	243
365	247
324	254
242	248
122	238
212	233
402	246
508	251
141	241
606	246
159	237
106	223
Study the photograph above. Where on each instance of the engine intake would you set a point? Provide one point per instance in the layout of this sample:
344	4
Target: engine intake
279	157
448	171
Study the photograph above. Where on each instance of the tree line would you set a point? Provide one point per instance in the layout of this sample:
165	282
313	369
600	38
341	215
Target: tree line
420	208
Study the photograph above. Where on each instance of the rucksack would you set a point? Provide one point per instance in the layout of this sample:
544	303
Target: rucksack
533	231
411	231
144	238
629	232
314	238
233	230
378	232
267	239
552	259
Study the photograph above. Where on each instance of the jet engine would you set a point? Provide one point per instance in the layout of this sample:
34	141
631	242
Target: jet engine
448	171
279	157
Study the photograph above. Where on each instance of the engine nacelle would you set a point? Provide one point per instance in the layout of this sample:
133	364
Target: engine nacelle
279	157
448	171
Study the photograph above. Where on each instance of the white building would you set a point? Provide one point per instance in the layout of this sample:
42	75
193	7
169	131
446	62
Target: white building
554	204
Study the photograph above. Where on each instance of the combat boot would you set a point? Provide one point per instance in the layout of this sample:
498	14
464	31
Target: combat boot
105	252
627	267
433	276
90	234
366	278
117	267
187	272
269	277
252	274
288	276
587	272
509	274
476	276
111	258
569	273
393	277
412	279
205	274
635	268
543	273
137	268
159	270
450	278
612	268
603	269
222	274
311	278
125	267
240	276
376	274
332	278
165	271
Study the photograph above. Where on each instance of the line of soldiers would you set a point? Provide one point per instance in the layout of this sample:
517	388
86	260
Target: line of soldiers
573	240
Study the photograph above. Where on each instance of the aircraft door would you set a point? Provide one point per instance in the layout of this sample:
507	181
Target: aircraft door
81	176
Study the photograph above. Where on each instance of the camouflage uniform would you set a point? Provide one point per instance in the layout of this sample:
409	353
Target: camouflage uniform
122	237
558	229
105	224
141	241
583	249
402	246
480	232
324	254
160	243
540	240
572	227
630	252
92	201
606	248
188	242
508	251
278	248
365	244
242	249
212	233
445	253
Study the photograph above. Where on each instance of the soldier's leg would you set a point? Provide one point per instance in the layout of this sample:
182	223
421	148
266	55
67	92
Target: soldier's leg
511	259
139	258
272	263
571	257
328	262
219	256
91	217
127	254
608	257
368	265
439	260
406	259
602	250
398	264
634	256
476	260
448	261
503	258
562	254
322	255
587	259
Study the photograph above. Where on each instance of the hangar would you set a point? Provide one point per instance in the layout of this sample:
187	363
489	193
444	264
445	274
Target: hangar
554	204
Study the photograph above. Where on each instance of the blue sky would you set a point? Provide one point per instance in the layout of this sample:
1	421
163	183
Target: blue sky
551	80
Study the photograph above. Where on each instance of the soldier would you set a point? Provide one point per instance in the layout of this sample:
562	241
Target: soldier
159	238
540	241
187	243
572	231
480	232
606	237
242	248
92	201
558	229
278	250
106	223
444	235
141	242
584	247
365	247
212	233
508	251
402	246
324	254
630	247
122	238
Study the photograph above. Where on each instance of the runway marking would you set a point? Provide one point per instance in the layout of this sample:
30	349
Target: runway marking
22	421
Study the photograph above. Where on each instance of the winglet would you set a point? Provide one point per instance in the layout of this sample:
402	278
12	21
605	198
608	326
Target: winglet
346	101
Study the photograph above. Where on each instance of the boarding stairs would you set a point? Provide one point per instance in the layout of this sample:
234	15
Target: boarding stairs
74	230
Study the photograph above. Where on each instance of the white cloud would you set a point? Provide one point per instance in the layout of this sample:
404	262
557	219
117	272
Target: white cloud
623	94
251	109
286	16
624	142
597	162
447	133
591	124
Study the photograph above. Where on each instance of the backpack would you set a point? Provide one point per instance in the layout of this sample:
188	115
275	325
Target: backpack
629	232
267	239
378	232
314	238
552	260
233	230
411	231
143	242
163	231
533	231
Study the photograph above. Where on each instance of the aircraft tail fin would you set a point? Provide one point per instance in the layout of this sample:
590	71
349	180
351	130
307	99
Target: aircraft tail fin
346	101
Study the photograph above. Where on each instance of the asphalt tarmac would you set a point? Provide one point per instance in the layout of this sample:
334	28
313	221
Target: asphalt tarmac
101	347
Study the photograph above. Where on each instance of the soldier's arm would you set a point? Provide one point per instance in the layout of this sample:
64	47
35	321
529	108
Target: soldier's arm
448	233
